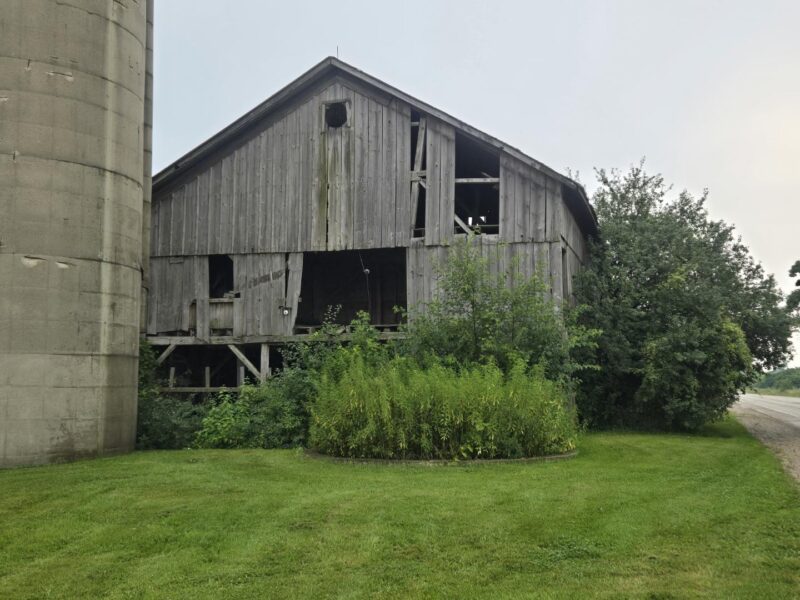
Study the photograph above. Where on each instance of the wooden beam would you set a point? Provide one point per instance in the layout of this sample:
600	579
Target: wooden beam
208	377
222	340
477	180
163	356
265	370
172	377
240	355
467	229
198	390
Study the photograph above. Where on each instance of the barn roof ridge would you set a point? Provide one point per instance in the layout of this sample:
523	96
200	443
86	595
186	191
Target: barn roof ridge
330	66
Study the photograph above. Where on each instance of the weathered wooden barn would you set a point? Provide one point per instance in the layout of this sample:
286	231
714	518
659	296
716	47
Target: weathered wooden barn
337	190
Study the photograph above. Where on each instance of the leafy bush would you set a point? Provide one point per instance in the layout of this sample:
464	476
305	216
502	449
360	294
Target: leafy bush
393	408
477	316
164	422
683	308
273	414
783	379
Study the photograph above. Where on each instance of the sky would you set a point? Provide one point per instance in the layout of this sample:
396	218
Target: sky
707	92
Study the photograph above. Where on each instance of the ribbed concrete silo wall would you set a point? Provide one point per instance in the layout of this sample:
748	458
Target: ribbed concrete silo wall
72	105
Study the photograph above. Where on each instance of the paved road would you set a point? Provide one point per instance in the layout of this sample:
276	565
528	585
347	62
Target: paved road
775	420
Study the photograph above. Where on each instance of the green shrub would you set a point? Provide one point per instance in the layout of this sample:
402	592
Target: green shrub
683	308
503	317
396	409
273	414
164	422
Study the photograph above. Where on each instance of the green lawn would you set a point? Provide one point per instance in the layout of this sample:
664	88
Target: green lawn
641	516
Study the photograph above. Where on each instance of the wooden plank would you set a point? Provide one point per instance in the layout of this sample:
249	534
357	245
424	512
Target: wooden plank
155	206
388	176
292	214
486	180
265	371
360	168
295	267
556	272
555	207
539	207
245	361
303	175
171	377
215	212
348	158
165	354
402	169
165	220
507	199
446	183
467	229
247	243
520	225
432	150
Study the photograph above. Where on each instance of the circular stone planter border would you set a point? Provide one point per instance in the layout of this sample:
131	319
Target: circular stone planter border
439	462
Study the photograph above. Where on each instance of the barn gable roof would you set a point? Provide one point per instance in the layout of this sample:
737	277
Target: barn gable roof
575	196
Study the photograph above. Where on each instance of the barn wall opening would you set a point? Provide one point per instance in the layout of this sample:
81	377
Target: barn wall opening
352	280
477	194
418	169
220	276
336	114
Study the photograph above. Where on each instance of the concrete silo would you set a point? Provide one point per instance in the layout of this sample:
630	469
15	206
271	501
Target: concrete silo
73	171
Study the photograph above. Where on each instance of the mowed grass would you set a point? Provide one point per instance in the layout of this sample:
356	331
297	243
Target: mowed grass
633	516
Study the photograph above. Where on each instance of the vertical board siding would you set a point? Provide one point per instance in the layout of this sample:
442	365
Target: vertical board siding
300	185
511	263
178	284
440	183
523	202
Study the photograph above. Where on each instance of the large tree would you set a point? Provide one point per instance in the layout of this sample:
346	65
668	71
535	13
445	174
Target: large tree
688	317
793	300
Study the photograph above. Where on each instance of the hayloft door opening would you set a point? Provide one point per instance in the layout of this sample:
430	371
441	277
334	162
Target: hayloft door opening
220	276
477	196
373	281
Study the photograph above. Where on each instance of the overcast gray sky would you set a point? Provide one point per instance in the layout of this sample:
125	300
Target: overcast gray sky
708	92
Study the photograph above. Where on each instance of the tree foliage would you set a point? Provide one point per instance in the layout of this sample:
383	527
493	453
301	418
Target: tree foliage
793	301
479	316
782	379
688	317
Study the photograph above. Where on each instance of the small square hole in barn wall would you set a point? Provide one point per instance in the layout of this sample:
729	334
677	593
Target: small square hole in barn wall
220	276
337	114
477	194
354	280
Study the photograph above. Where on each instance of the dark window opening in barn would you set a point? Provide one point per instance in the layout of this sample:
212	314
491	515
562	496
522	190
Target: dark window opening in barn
418	173
220	276
353	280
565	282
477	195
336	114
419	217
